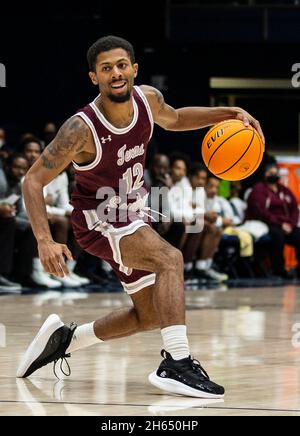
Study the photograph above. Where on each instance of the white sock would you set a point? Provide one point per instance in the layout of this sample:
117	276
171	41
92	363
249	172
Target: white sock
201	264
176	342
83	337
208	263
188	266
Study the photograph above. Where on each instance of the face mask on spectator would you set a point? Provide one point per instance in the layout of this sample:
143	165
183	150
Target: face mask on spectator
273	178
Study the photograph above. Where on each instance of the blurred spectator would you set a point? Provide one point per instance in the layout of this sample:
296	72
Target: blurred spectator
210	236
5	150
238	205
227	220
159	174
59	212
15	168
25	247
179	165
159	177
255	227
29	269
219	205
276	205
178	200
10	194
257	176
2	137
71	178
50	131
25	137
32	149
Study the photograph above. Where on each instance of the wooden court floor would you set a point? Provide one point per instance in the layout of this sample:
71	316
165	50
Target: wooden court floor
245	338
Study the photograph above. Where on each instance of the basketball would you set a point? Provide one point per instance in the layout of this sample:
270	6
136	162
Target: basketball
231	150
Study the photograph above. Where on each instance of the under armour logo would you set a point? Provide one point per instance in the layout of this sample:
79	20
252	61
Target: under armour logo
105	140
163	374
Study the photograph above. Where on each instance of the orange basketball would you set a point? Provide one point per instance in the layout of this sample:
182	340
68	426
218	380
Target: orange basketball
231	150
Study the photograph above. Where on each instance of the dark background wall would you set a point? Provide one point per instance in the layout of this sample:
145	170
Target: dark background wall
44	51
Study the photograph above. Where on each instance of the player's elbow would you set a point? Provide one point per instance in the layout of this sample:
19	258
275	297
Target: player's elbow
172	127
173	124
30	183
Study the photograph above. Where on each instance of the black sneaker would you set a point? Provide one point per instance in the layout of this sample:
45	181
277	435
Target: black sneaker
49	345
204	275
184	377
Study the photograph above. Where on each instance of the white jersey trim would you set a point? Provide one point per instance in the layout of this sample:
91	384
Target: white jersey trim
109	126
146	103
114	235
97	145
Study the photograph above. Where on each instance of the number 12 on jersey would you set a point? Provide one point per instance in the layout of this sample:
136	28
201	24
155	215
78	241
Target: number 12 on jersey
136	171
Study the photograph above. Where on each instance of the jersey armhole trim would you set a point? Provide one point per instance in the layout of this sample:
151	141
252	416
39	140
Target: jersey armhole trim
97	145
147	105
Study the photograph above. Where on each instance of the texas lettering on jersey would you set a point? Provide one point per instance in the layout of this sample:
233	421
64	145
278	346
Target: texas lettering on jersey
126	155
115	179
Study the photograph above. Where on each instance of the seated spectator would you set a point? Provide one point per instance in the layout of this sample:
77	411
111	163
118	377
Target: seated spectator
238	205
32	149
227	221
25	245
178	171
209	237
10	200
159	176
5	150
276	205
59	212
256	228
50	131
71	178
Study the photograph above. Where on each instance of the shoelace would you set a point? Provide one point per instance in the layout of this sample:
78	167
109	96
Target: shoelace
194	363
62	360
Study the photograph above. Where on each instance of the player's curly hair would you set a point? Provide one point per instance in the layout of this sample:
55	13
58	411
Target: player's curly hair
107	43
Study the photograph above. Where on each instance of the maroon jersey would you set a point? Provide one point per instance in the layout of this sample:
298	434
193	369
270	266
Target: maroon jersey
119	164
100	220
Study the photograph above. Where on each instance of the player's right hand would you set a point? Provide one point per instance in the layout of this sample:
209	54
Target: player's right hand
51	255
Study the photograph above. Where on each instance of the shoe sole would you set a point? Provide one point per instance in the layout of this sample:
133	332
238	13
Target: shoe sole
37	346
50	285
11	290
175	387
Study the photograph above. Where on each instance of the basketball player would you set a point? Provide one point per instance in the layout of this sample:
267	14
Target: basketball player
107	143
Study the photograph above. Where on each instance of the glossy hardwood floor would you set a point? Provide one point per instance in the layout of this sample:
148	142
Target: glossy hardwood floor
243	337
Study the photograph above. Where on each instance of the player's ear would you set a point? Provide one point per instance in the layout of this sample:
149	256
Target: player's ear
93	78
135	68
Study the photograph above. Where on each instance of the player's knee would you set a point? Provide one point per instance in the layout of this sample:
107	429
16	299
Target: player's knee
166	259
174	259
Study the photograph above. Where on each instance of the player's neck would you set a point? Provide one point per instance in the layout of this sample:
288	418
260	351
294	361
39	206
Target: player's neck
119	115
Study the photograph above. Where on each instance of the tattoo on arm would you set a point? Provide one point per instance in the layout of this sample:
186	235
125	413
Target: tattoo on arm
71	139
162	105
160	98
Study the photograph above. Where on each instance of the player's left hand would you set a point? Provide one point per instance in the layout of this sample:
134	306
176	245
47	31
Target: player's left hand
249	119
